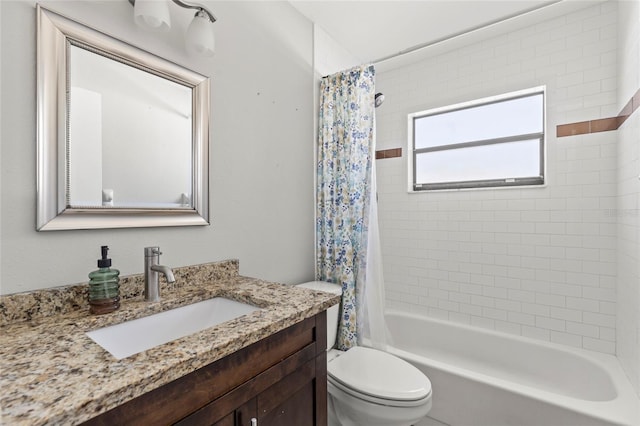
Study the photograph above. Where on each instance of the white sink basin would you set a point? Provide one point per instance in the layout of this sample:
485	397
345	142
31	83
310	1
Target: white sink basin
138	335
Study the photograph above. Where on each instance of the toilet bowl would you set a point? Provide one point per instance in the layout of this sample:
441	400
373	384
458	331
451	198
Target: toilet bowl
367	386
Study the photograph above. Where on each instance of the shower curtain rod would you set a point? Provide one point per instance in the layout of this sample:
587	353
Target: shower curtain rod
421	46
462	33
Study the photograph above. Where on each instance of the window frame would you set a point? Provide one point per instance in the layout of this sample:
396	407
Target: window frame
535	181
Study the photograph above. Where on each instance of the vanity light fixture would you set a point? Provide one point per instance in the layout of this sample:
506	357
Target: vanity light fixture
154	15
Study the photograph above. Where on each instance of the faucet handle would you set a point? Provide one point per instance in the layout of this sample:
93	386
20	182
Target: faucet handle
152	251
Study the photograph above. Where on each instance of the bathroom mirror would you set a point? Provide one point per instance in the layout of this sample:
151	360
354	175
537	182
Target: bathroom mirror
123	135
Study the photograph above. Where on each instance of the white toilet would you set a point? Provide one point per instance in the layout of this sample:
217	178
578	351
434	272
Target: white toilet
368	387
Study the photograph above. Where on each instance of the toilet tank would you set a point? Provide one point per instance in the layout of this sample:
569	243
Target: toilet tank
333	313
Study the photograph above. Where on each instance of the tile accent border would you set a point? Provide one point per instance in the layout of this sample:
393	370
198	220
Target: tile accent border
602	124
563	130
388	153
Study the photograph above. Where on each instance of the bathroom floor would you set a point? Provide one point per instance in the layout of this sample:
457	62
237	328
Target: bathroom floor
428	421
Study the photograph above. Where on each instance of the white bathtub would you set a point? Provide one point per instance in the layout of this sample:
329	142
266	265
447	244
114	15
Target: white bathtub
481	377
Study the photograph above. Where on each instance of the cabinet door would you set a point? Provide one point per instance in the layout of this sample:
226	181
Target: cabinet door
228	420
247	414
290	401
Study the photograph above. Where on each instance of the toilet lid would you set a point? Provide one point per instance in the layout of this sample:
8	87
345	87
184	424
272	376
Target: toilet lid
379	374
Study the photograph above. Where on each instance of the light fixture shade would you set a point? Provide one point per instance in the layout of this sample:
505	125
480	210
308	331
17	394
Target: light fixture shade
152	14
200	38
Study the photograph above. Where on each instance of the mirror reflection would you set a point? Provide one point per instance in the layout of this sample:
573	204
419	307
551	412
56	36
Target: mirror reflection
130	136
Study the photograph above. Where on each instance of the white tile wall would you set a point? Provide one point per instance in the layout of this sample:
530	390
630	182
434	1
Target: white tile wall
627	211
538	262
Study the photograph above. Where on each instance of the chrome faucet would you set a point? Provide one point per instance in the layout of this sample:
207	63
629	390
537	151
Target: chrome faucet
151	270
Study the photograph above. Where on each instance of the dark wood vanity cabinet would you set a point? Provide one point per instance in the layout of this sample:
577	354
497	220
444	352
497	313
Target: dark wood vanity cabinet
278	381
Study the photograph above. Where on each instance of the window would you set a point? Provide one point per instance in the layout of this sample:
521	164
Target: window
490	142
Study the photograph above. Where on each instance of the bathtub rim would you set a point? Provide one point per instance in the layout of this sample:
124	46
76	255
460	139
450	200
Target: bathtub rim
624	409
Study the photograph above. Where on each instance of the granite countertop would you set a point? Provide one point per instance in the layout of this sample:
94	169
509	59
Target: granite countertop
51	372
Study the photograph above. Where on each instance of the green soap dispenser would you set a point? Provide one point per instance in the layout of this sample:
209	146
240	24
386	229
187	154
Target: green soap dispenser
104	287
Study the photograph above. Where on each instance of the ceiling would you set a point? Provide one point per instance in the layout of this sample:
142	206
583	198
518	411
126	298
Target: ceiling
374	30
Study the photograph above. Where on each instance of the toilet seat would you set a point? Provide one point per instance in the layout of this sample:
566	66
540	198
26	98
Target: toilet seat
377	401
379	377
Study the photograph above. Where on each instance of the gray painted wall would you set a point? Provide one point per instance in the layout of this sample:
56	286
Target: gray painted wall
262	194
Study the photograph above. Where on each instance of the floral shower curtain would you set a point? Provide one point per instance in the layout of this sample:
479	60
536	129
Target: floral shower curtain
345	156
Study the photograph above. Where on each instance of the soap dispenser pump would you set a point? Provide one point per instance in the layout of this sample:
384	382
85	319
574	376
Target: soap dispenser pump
104	287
